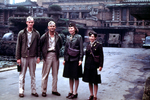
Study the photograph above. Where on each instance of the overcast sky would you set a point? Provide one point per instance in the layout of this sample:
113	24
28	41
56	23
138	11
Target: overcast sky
17	1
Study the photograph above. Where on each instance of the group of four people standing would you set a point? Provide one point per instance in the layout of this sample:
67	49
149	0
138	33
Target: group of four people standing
30	45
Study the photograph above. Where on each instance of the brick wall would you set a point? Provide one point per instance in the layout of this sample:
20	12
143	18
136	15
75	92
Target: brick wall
138	38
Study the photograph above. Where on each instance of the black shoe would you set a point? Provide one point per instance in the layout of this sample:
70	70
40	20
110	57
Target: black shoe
69	94
21	95
35	94
95	98
91	97
44	94
73	96
56	93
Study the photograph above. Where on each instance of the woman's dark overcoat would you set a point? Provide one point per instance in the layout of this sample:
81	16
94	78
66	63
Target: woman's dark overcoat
71	68
90	67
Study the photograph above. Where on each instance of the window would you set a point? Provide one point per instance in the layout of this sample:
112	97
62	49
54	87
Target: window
124	15
65	15
85	14
74	15
131	19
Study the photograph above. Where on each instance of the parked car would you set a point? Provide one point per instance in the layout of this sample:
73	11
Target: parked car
146	43
8	45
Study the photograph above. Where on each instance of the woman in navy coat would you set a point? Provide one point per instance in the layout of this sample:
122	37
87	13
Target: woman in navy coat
90	74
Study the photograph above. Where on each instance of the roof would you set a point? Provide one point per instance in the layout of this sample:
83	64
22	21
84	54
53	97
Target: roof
127	5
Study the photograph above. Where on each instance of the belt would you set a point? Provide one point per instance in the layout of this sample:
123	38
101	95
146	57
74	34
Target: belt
51	51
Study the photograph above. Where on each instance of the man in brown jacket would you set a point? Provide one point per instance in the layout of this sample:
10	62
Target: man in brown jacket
51	44
27	54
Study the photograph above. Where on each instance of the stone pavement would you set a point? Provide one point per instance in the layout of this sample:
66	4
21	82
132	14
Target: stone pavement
123	77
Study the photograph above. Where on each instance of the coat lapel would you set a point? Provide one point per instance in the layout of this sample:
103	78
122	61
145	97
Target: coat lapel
47	39
56	38
74	37
93	45
33	37
25	36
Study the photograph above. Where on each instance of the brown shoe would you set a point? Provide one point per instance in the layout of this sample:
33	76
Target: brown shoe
69	94
94	98
73	96
56	93
21	95
35	94
44	94
91	97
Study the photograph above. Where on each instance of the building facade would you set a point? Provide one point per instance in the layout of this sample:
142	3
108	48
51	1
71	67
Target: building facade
108	17
124	18
10	10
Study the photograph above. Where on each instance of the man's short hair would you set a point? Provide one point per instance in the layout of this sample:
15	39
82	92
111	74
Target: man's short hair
29	18
51	23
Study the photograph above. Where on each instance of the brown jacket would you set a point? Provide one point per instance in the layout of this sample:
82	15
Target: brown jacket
75	43
21	47
44	42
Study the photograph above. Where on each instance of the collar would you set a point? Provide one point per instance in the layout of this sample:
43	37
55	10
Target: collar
91	43
28	31
50	35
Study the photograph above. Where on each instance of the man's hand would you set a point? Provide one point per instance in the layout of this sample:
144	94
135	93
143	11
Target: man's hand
19	61
38	60
80	62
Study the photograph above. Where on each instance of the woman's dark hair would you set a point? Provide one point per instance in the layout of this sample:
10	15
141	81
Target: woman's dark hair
74	25
94	33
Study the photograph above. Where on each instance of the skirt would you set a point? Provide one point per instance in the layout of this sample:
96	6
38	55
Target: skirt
72	70
91	76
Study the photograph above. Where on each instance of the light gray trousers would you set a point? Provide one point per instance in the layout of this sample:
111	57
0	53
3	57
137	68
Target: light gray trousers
31	63
50	62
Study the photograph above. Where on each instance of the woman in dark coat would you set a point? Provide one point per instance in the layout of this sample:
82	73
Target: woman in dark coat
73	64
90	74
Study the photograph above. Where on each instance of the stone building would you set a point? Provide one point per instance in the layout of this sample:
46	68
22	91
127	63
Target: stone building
127	19
109	17
10	10
18	11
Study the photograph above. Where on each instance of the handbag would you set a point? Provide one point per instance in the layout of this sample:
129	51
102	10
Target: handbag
96	58
19	68
72	52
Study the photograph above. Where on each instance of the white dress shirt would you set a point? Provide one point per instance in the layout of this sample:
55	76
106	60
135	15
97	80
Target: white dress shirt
51	46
